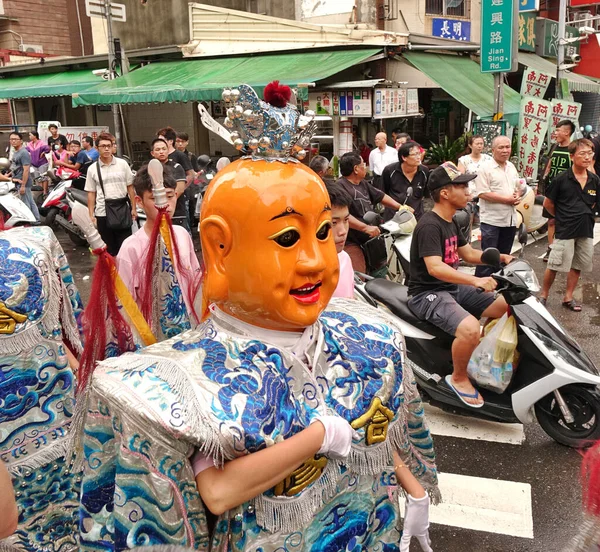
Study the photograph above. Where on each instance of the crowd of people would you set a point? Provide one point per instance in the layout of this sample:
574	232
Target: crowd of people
242	426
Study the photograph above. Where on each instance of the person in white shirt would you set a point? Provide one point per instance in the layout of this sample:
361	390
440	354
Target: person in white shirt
497	188
473	162
382	156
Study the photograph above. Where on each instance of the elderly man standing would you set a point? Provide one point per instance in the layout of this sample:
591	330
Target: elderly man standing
496	187
382	156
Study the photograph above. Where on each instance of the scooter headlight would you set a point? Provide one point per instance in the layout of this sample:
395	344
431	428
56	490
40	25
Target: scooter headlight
528	276
556	349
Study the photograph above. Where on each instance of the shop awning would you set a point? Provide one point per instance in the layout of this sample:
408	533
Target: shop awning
204	79
577	83
462	78
52	84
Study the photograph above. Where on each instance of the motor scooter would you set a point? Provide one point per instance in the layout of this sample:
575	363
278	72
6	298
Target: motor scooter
12	210
554	378
59	211
530	217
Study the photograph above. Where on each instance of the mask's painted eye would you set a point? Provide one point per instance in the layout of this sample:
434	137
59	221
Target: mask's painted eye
324	231
286	238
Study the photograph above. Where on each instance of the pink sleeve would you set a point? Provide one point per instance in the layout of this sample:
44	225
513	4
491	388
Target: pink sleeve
345	287
200	462
125	268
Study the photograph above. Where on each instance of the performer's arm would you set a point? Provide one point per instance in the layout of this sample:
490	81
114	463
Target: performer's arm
245	478
73	362
406	479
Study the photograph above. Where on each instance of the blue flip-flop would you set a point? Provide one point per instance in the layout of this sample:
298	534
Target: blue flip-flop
460	394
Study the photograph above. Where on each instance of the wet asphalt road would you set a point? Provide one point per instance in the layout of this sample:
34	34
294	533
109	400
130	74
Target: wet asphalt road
552	470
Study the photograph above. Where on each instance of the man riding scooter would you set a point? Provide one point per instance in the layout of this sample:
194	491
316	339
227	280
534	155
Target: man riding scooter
451	300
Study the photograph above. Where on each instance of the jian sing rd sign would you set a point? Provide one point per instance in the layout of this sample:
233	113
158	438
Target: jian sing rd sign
499	32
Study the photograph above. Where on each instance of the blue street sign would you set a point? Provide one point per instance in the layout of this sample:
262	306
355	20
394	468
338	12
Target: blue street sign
453	29
529	5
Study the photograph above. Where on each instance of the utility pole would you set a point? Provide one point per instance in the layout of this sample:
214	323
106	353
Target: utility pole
498	96
111	72
560	46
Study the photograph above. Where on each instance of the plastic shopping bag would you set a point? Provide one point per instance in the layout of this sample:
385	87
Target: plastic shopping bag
491	364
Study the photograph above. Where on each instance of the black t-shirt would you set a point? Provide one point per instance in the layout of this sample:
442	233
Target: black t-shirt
193	160
395	184
433	237
560	161
573	206
60	138
179	175
181	158
364	198
596	142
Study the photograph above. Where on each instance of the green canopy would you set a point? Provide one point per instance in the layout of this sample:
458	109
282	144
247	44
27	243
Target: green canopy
204	79
462	78
50	84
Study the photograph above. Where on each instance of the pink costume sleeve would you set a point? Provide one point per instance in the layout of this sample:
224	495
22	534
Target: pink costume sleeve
345	287
201	463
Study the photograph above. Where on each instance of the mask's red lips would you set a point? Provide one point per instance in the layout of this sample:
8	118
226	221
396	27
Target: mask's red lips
307	294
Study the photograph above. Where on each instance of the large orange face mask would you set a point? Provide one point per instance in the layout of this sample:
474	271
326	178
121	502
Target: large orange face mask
267	243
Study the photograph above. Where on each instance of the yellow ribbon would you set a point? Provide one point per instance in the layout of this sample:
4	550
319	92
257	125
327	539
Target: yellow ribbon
166	236
132	309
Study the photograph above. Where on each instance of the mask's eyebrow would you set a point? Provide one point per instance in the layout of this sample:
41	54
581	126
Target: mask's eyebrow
326	208
288	212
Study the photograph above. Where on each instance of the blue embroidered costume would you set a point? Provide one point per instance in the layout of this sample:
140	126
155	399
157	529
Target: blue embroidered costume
228	394
39	307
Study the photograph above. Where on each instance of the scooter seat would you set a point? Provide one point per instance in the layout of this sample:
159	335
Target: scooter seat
79	195
395	297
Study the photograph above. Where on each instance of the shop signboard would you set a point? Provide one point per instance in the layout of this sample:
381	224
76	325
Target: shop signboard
499	33
527	32
529	5
535	83
563	109
395	102
321	102
412	101
533	125
546	32
584	2
452	29
341	103
71	132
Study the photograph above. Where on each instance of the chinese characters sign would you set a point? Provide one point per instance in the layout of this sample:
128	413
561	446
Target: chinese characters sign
562	109
533	125
71	132
351	103
498	36
395	102
535	83
453	29
529	5
527	32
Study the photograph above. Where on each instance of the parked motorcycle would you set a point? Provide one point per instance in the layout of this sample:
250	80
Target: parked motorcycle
554	378
530	217
58	207
12	210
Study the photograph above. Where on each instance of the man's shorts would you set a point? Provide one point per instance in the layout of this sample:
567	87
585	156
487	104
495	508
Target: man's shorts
567	254
447	309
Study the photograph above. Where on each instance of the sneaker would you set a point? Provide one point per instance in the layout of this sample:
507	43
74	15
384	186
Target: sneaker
546	255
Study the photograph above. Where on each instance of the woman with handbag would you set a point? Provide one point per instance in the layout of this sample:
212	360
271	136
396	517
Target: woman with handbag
111	197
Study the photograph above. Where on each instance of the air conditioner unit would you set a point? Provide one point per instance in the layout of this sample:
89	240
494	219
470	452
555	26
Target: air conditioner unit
31	48
582	19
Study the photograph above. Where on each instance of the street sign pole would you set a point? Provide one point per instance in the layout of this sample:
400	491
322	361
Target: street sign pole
560	46
111	72
498	96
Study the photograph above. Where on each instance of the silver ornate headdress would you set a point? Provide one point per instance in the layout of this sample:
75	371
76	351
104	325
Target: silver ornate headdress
272	129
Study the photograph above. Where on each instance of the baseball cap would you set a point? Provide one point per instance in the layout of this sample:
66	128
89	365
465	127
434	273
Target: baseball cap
447	173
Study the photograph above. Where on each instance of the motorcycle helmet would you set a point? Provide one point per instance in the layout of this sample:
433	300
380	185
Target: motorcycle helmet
462	218
405	220
203	161
4	164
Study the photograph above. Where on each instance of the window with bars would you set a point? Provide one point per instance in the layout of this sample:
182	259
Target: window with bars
460	8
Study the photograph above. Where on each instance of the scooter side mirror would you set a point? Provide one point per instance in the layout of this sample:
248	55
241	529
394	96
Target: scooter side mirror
491	257
372	218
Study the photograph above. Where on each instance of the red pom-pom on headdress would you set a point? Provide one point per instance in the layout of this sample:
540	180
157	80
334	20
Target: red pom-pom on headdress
278	95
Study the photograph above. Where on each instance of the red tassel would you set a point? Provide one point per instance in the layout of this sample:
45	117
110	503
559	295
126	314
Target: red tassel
278	95
101	307
590	479
2	227
189	282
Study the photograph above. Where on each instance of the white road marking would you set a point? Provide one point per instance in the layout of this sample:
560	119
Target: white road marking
480	504
596	233
453	425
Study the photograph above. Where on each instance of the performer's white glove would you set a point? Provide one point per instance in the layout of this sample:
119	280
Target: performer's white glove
416	523
338	437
